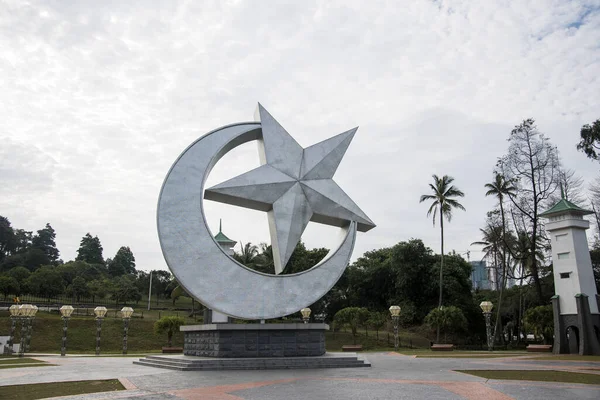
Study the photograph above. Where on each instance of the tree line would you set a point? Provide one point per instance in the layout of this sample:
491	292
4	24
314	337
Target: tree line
428	286
528	180
30	264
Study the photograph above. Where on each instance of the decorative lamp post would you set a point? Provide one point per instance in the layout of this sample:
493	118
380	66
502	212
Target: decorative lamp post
395	311
305	314
126	313
100	313
486	307
65	312
25	311
14	317
32	312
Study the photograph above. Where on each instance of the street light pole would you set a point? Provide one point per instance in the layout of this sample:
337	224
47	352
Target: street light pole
24	313
126	313
23	335
395	311
150	291
100	313
32	311
486	307
65	312
14	318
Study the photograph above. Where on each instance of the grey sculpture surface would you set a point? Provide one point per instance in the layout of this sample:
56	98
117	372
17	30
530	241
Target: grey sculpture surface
293	185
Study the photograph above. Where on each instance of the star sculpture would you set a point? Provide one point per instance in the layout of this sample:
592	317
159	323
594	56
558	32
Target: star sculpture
294	186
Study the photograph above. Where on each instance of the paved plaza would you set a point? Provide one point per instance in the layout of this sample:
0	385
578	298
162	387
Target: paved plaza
391	376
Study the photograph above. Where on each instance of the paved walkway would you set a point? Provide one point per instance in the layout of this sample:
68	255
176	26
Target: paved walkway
391	376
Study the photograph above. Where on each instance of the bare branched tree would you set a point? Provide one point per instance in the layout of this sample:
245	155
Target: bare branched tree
533	164
594	201
572	185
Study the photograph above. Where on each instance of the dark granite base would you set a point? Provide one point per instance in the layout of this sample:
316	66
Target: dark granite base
585	328
254	340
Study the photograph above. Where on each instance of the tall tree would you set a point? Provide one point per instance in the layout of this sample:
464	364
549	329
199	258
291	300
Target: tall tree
501	188
303	258
123	262
7	238
79	288
266	262
590	140
90	250
572	186
595	257
23	240
45	241
411	283
35	258
594	198
20	274
160	283
443	203
533	164
123	289
45	282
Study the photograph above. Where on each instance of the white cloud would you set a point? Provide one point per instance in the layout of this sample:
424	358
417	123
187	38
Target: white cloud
99	98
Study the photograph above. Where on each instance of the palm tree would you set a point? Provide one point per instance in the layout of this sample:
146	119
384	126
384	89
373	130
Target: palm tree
266	262
492	242
248	255
500	188
443	202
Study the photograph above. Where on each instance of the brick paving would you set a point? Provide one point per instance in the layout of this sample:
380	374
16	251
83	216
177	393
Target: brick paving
391	376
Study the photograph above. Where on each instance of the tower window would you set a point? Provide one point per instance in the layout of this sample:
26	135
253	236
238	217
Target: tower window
560	237
565	275
563	256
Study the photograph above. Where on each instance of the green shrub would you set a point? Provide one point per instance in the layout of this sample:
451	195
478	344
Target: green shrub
541	321
447	319
168	325
352	317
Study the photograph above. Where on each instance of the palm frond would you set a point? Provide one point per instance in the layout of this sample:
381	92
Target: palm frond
455	204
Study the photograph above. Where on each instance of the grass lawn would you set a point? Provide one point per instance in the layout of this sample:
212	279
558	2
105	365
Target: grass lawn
12	366
543	376
18	360
568	357
427	353
467	355
81	336
45	390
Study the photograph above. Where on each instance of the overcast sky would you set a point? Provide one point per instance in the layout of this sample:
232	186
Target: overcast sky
98	98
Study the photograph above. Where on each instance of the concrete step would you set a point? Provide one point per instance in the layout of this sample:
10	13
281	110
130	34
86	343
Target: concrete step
251	361
206	364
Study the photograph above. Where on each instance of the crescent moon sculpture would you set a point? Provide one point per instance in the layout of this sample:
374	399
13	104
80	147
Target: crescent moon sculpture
293	185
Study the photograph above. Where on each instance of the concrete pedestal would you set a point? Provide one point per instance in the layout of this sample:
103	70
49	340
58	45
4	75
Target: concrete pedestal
254	340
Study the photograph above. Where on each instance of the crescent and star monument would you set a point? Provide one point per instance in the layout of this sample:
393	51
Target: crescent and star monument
294	185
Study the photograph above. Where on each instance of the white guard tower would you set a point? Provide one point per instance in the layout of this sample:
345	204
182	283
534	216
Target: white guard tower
576	302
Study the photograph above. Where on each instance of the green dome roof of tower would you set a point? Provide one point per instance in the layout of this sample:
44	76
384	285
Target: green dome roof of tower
564	206
222	239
